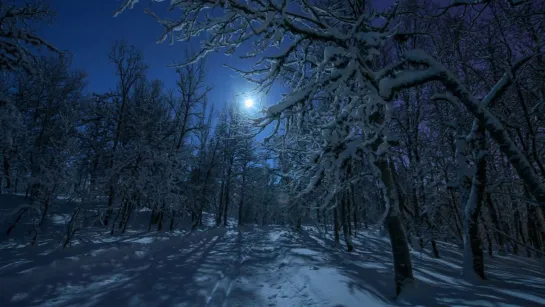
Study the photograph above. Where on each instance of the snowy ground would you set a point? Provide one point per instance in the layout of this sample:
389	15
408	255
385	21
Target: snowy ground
253	266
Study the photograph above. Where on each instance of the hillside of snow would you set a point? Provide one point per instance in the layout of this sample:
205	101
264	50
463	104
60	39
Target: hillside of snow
250	266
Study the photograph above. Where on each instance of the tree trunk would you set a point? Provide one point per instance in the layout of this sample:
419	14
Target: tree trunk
203	195
227	189
324	213
110	210
400	248
433	243
345	221
161	216
458	225
115	220
46	207
533	227
160	221
226	204
336	225
264	220
127	218
19	216
71	230
473	252
518	228
355	209
495	220
487	235
348	212
7	171
172	218
434	249
241	204
298	215
123	212
152	216
219	214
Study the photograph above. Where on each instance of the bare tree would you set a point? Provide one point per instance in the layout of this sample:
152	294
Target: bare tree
129	68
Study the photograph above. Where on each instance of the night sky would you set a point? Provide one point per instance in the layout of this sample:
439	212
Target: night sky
87	29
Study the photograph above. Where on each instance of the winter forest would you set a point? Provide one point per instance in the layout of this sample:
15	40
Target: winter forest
403	163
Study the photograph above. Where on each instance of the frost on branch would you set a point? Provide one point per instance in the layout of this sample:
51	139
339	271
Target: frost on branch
17	41
434	71
321	54
326	57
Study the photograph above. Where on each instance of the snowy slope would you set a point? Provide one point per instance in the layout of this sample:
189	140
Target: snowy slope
252	267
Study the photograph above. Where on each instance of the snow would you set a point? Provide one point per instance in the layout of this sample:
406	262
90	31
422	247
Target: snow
246	266
253	266
304	252
60	219
19	297
528	297
145	240
274	236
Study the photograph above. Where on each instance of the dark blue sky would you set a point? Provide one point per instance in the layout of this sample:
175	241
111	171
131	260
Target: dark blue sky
87	29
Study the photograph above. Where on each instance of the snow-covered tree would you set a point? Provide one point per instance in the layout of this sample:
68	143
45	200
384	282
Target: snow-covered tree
321	54
18	41
342	70
46	107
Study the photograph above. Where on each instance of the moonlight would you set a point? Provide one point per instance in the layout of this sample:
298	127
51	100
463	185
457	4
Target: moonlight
249	102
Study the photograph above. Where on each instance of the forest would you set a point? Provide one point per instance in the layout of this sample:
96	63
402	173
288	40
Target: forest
419	124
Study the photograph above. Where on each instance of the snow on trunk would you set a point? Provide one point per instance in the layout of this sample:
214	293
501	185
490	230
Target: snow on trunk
400	248
473	251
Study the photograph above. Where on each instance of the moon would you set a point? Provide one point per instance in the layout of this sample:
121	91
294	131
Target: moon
249	102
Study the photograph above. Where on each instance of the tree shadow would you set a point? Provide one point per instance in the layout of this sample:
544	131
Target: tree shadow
166	274
255	267
439	281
